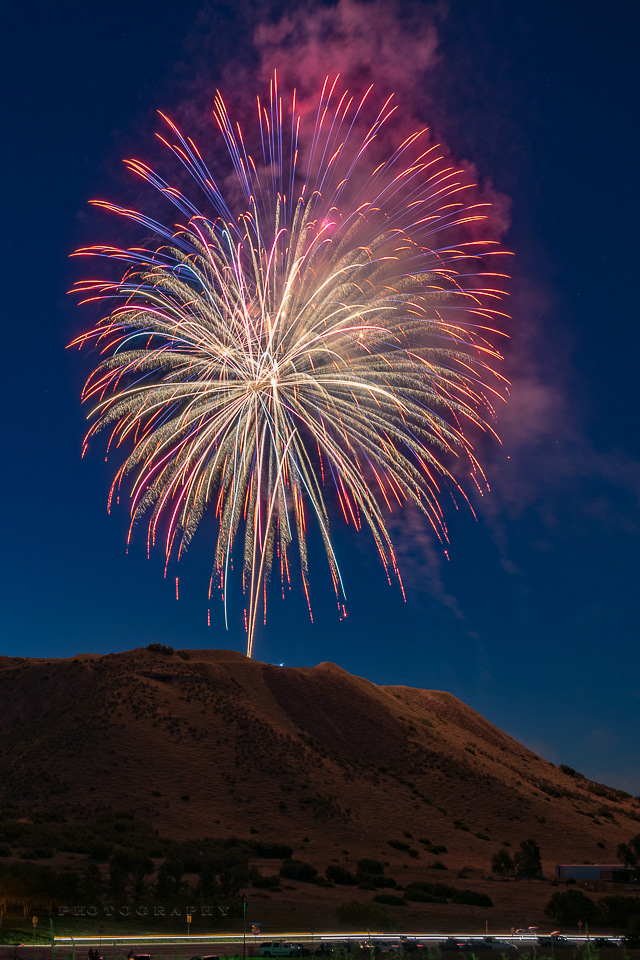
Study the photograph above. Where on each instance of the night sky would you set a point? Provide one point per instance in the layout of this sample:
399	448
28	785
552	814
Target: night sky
534	620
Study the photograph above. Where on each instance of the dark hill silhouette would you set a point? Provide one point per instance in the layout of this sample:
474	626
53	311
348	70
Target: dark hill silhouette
285	754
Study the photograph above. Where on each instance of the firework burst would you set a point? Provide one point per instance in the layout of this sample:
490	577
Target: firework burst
338	332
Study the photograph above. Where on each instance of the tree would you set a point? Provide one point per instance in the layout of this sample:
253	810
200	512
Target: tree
353	913
337	874
169	879
297	870
616	910
527	859
626	855
570	907
502	863
127	863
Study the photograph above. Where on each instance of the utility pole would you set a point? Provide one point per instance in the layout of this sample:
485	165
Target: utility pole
244	929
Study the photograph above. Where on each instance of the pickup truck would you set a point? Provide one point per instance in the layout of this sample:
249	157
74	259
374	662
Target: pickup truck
283	948
559	942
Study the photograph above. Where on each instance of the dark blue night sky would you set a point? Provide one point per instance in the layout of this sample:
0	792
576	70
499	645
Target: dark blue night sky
534	620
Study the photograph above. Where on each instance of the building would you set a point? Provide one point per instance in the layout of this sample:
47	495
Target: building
615	872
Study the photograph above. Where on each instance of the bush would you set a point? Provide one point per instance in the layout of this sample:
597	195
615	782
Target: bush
341	875
266	883
567	908
390	900
472	898
384	881
160	648
438	865
364	915
297	870
5	851
271	851
398	845
632	931
100	851
370	866
417	896
616	910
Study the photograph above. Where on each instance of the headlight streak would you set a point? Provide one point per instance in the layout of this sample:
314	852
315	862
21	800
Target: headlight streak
243	355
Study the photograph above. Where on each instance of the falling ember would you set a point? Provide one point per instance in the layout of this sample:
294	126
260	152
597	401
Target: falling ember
338	330
177	590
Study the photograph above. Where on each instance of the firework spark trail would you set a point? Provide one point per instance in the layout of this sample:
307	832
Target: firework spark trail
319	327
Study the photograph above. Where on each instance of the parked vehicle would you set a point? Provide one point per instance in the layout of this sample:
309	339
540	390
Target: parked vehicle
561	943
283	948
604	942
500	945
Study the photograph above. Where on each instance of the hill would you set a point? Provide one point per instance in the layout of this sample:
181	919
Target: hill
209	744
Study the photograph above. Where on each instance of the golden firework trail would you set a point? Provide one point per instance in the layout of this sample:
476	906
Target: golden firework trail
337	332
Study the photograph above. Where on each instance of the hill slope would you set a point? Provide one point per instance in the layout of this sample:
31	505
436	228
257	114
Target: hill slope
288	754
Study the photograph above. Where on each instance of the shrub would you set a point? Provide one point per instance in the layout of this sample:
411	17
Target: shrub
438	865
632	931
271	851
297	870
5	851
398	845
472	898
390	900
417	896
616	910
567	908
459	825
160	648
481	836
568	770
364	915
44	853
438	890
341	875
100	851
370	866
266	883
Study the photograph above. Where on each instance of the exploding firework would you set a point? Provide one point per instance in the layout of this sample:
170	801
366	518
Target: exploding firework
336	330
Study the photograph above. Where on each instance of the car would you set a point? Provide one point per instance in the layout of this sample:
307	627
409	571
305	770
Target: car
283	948
455	943
501	945
604	942
392	947
561	943
206	956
